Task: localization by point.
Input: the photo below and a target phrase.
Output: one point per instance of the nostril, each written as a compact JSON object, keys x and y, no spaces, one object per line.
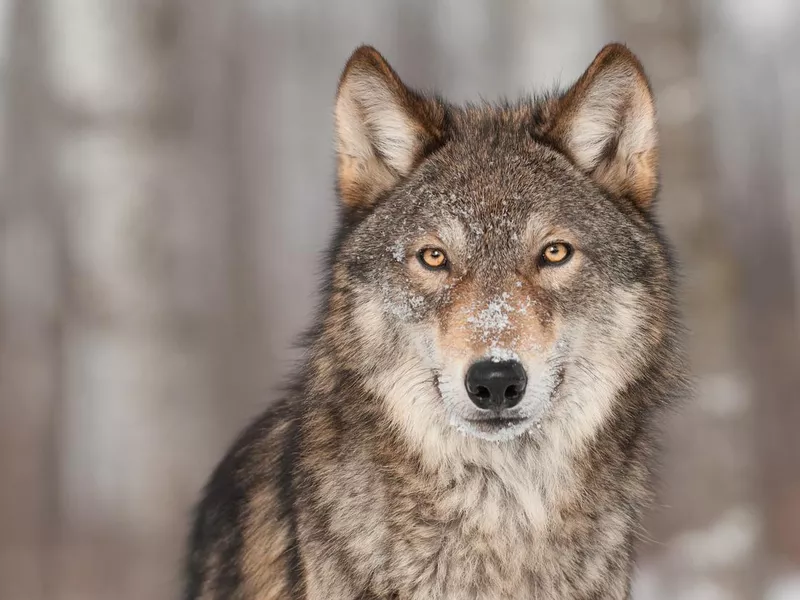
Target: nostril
{"x":483,"y":393}
{"x":513,"y":392}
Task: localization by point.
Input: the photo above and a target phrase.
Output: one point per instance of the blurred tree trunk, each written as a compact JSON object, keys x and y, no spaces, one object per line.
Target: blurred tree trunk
{"x":30,"y":319}
{"x":706,"y":525}
{"x":754,"y":88}
{"x":139,"y":92}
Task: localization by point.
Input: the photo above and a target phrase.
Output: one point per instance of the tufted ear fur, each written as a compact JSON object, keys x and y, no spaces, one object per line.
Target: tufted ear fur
{"x":383,"y":129}
{"x":606,"y":122}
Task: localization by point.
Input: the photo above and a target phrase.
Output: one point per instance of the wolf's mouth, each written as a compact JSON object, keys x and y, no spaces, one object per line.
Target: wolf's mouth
{"x":496,"y":424}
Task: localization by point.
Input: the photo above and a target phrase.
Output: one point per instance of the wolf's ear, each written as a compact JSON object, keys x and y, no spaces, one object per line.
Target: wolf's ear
{"x":383,"y":129}
{"x":607,"y":123}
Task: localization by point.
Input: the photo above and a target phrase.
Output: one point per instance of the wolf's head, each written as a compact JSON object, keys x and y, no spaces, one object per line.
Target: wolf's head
{"x":500,"y":270}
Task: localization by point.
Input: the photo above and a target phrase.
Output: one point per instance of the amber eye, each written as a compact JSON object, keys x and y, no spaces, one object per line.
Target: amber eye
{"x":556,"y":253}
{"x":432,"y":258}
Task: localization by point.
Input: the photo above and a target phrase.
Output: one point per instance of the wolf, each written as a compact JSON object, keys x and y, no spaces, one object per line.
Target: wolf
{"x":477,"y":408}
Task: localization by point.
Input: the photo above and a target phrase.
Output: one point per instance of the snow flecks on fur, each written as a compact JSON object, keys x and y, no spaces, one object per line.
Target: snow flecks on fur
{"x":493,"y":320}
{"x":398,"y":251}
{"x":498,"y":354}
{"x":402,"y":303}
{"x":404,"y":307}
{"x":476,"y":229}
{"x":494,"y":325}
{"x":415,"y":301}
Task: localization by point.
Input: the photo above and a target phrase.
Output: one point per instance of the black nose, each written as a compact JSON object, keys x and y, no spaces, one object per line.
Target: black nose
{"x":496,"y":385}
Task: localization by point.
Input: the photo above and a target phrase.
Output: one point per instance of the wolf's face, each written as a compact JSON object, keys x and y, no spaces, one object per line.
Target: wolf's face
{"x":502,"y":272}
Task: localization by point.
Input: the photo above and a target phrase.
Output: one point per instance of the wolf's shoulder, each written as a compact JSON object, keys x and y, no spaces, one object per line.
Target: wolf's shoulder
{"x":254,"y":461}
{"x":240,"y":523}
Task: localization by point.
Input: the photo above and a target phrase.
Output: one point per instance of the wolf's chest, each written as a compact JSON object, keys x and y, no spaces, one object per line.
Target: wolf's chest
{"x":489,"y":541}
{"x":476,"y":537}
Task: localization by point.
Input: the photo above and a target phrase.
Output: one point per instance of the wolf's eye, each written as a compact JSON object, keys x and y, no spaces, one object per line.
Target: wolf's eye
{"x":556,"y":253}
{"x":432,"y":258}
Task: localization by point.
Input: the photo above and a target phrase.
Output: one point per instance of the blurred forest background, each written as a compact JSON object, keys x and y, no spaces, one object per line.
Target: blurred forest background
{"x":165,"y":191}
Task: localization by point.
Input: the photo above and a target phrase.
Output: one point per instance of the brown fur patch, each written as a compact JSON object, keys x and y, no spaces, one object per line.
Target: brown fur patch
{"x":512,"y":317}
{"x":265,"y":535}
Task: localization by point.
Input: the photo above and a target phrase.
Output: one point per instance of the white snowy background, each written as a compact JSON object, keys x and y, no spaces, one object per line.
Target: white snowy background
{"x":165,"y":190}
